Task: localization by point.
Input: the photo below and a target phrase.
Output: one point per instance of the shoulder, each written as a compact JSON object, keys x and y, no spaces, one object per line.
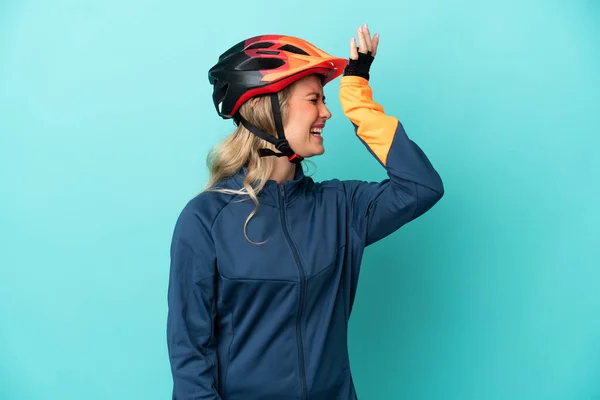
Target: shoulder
{"x":330,"y":187}
{"x":338,"y":191}
{"x":198,"y":214}
{"x":340,"y":186}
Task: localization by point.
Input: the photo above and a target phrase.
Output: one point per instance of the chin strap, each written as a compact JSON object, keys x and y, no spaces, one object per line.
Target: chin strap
{"x":280,"y":143}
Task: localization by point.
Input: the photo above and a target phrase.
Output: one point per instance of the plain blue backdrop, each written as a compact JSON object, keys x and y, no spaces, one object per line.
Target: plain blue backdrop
{"x":105,"y":121}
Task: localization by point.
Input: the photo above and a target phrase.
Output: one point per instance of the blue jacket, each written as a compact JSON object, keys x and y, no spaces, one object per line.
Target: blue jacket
{"x":270,"y":321}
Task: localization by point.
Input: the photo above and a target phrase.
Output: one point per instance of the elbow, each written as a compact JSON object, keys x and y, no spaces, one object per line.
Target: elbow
{"x":433,"y":192}
{"x":427,"y":198}
{"x":438,"y":193}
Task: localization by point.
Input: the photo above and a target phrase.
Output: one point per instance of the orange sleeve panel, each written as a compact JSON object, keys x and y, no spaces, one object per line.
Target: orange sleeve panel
{"x":375,"y":128}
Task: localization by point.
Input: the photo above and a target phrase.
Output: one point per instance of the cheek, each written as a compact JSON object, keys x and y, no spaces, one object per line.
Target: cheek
{"x":295,"y":134}
{"x":299,"y":123}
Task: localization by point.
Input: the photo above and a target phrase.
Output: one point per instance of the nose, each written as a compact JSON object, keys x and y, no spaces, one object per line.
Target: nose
{"x":324,"y":112}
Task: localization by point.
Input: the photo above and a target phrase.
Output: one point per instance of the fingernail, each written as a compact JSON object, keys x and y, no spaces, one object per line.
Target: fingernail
{"x":366,"y":27}
{"x":360,"y":29}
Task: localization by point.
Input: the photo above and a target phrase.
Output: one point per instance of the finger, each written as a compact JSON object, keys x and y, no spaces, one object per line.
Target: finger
{"x":374,"y":44}
{"x":362,"y":44}
{"x":353,"y":50}
{"x":367,"y":36}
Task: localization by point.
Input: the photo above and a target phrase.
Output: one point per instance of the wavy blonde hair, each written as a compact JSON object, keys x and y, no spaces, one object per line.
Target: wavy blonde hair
{"x":240,"y":148}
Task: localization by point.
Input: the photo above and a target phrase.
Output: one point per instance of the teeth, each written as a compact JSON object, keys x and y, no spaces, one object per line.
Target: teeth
{"x":316,"y":130}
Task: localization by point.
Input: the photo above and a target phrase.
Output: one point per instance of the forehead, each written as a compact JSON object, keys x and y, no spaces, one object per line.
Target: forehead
{"x":308,"y":84}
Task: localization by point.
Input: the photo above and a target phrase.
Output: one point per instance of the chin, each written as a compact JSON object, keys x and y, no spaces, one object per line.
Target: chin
{"x":312,"y":151}
{"x":316,"y":152}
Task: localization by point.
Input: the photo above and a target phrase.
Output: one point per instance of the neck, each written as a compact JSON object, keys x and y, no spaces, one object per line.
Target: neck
{"x":283,"y":171}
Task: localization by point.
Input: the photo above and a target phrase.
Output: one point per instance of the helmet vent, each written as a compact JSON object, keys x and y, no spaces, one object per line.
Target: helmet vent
{"x":260,"y":45}
{"x":272,"y":52}
{"x":293,"y":49}
{"x":221,"y":91}
{"x":255,"y":64}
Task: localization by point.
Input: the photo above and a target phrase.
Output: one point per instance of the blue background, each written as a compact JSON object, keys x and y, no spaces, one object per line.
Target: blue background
{"x":105,"y":122}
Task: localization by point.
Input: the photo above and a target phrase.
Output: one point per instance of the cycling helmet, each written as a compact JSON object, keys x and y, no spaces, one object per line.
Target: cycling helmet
{"x":264,"y":65}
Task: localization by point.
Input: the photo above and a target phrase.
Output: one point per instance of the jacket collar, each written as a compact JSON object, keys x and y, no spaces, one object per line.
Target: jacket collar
{"x":273,"y":193}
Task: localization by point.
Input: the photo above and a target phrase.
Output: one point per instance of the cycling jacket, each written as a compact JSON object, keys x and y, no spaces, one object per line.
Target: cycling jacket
{"x":270,"y":321}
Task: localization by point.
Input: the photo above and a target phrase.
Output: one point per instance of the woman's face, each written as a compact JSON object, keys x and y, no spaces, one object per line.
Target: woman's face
{"x":306,"y":116}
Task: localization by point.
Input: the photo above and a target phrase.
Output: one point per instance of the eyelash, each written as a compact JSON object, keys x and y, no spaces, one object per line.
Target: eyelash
{"x":315,"y":101}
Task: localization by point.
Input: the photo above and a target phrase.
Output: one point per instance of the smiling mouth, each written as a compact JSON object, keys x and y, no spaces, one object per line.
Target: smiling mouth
{"x":316,"y":131}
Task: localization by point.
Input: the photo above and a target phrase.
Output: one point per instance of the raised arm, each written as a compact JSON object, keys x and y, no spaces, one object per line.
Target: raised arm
{"x":413,"y":185}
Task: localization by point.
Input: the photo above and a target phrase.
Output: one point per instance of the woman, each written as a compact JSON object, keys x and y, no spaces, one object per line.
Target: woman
{"x":265,"y":262}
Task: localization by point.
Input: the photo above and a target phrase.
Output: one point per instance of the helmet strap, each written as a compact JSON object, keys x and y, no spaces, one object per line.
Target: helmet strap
{"x":277,"y":115}
{"x":280,"y":143}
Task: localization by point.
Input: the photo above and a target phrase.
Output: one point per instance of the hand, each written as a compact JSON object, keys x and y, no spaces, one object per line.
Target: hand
{"x":362,"y":57}
{"x":365,"y":43}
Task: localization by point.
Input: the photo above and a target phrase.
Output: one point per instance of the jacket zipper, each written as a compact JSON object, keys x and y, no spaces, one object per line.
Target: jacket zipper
{"x":302,"y":288}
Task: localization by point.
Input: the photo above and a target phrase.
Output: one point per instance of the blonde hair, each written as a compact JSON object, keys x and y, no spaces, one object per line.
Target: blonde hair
{"x":240,"y":148}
